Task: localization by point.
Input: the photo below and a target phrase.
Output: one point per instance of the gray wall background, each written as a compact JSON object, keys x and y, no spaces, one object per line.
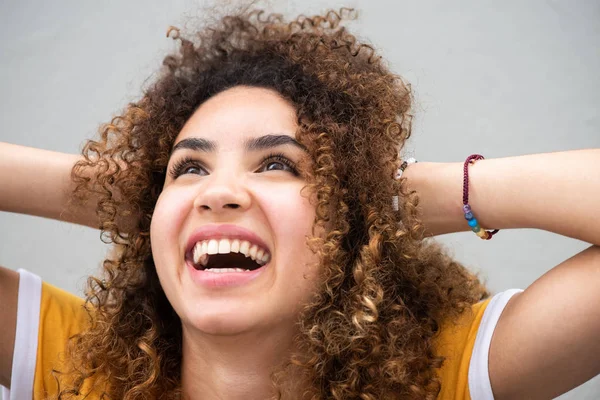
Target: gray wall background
{"x":500,"y":78}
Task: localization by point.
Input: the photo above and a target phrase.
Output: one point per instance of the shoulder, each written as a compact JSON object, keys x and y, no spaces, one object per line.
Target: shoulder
{"x":465,"y":343}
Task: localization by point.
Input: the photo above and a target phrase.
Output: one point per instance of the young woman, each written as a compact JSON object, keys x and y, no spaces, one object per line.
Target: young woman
{"x":263,"y":248}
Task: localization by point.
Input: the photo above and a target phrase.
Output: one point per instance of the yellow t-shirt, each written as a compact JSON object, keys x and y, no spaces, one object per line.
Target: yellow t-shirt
{"x":465,"y":343}
{"x":456,"y":342}
{"x":61,"y":316}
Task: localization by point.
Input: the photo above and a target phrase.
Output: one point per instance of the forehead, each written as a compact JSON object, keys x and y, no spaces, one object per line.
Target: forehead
{"x":240,"y":113}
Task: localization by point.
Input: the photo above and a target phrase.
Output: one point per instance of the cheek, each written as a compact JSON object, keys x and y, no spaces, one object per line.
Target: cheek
{"x":165,"y":226}
{"x":291,"y":216}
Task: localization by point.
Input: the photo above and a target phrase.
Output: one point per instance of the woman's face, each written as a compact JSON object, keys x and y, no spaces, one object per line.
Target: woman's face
{"x":227,"y":188}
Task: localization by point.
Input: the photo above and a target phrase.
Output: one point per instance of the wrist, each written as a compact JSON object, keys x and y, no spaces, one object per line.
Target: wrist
{"x":439,"y":189}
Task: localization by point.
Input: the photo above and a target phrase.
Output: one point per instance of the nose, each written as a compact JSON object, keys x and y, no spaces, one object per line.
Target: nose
{"x":222,"y":191}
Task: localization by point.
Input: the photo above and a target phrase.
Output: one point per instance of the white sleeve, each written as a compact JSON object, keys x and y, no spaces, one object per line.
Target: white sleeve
{"x":26,"y":337}
{"x":479,"y":378}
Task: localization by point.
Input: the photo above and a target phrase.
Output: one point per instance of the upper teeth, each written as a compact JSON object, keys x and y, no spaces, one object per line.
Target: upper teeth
{"x":225,"y":246}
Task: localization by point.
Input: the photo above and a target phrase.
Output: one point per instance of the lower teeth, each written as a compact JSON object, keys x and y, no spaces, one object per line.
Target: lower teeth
{"x":220,"y":270}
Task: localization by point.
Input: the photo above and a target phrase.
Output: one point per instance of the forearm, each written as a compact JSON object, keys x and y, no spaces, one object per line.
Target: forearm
{"x":38,"y":182}
{"x":558,"y":192}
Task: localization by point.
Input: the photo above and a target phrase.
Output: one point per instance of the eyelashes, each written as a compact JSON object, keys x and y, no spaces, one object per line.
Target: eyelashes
{"x":282,"y":159}
{"x":182,"y":165}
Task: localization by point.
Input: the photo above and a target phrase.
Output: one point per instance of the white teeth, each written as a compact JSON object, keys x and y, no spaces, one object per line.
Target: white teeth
{"x":221,"y":270}
{"x":245,"y":247}
{"x":262,"y":259}
{"x":200,"y":256}
{"x":224,"y":246}
{"x":202,"y":250}
{"x":213,"y":246}
{"x":197,"y":253}
{"x":253,"y":251}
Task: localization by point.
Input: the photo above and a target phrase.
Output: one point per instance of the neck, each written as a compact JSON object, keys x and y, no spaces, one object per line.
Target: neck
{"x":232,"y":367}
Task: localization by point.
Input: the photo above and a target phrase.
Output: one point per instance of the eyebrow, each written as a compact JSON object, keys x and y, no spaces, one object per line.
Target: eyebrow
{"x":251,"y":144}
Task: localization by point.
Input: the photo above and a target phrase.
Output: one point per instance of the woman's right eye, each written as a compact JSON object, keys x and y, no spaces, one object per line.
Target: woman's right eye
{"x":184,"y":167}
{"x":189,"y":170}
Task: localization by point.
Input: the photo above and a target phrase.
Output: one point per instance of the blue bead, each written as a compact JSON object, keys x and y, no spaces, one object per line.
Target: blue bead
{"x":476,"y":228}
{"x":473,"y":222}
{"x":469,"y":215}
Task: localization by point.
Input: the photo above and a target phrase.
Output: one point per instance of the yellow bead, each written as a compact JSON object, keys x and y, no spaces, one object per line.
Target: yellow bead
{"x":482,"y":234}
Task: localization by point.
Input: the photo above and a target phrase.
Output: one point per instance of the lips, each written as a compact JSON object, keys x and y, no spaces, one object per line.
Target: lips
{"x":223,"y":239}
{"x":224,"y":279}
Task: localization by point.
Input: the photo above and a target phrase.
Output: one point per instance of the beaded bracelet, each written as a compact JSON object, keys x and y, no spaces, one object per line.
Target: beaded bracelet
{"x":403,"y":166}
{"x":472,"y":221}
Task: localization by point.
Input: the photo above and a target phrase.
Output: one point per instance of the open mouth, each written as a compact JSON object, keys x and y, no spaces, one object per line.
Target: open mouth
{"x":227,"y":255}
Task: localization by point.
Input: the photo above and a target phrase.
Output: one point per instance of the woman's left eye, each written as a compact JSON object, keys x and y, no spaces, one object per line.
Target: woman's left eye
{"x":282,"y":161}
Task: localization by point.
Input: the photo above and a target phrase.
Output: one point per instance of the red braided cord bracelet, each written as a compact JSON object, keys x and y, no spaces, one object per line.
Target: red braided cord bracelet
{"x":473,"y":223}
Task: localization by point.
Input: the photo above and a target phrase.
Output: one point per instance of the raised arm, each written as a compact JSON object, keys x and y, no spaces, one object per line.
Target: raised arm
{"x":546,"y":340}
{"x":34,"y":182}
{"x":38,"y":182}
{"x":556,"y":192}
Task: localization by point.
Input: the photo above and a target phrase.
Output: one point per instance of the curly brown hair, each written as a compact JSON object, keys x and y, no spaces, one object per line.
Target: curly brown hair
{"x":386,"y":289}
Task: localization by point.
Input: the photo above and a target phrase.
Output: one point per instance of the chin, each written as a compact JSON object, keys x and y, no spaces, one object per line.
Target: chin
{"x":222,"y":320}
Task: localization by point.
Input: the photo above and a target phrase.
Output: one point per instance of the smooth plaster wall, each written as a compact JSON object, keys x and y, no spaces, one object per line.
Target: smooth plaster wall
{"x":500,"y":78}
